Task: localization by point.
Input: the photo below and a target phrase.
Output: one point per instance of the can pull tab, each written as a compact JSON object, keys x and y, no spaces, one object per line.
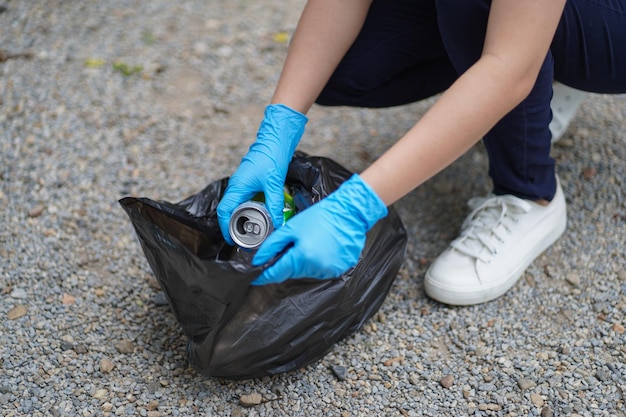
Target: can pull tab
{"x":251,"y":227}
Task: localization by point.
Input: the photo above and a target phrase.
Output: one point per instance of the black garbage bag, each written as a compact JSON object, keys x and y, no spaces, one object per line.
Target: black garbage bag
{"x":239,"y":331}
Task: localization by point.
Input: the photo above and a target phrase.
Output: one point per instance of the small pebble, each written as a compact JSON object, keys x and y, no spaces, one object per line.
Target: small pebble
{"x":237,"y":412}
{"x":340,"y":371}
{"x":18,"y":293}
{"x":125,"y":346}
{"x":447,"y":381}
{"x":68,"y":299}
{"x":250,"y":400}
{"x":278,"y":389}
{"x":80,"y":349}
{"x":573,"y":278}
{"x":537,"y":400}
{"x":489,"y":407}
{"x":382,"y":318}
{"x":100,"y":394}
{"x":65,"y":345}
{"x":564,"y":350}
{"x":159,"y":299}
{"x":106,"y":365}
{"x":603,"y":375}
{"x":17,"y":312}
{"x":526,"y":384}
{"x":36,"y":211}
{"x":589,"y":172}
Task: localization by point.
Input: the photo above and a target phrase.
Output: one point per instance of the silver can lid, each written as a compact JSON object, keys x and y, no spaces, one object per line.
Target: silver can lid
{"x":250,"y":224}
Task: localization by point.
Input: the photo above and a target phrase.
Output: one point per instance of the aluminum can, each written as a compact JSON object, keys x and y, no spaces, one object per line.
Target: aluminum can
{"x":250,"y":224}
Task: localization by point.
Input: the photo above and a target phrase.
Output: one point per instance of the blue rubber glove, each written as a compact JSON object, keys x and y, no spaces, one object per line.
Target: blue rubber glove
{"x":327,"y":237}
{"x":264,"y":167}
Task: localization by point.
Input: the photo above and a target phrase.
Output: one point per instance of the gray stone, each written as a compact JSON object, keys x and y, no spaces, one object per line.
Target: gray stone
{"x":340,"y":371}
{"x":526,"y":384}
{"x":19,"y":293}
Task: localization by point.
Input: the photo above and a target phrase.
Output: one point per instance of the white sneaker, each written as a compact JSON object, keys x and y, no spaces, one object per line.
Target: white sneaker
{"x":565,"y":103}
{"x":499,"y":239}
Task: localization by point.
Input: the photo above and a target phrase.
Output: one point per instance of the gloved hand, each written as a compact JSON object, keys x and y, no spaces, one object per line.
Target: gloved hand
{"x":264,"y":167}
{"x":327,"y":237}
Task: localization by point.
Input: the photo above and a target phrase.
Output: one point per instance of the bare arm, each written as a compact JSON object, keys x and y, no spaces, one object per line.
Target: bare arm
{"x":518,"y":37}
{"x":327,"y":28}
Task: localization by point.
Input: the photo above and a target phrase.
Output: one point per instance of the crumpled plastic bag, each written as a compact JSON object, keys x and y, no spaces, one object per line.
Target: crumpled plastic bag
{"x":239,"y":331}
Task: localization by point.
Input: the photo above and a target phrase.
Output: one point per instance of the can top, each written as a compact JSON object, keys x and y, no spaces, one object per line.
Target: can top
{"x":250,"y":224}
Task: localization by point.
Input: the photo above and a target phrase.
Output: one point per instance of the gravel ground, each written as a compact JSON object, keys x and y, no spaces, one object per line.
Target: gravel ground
{"x":103,"y":99}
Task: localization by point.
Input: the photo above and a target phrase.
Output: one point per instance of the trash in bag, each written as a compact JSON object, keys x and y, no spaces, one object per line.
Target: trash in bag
{"x":239,"y":331}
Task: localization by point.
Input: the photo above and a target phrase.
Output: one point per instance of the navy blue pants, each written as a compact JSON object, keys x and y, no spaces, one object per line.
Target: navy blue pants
{"x":409,"y":50}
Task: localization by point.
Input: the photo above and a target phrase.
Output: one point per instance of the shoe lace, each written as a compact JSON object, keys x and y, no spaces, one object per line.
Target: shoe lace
{"x":488,"y":225}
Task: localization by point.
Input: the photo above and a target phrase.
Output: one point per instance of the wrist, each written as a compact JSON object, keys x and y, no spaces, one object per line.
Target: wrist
{"x":363,"y":202}
{"x":287,"y":123}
